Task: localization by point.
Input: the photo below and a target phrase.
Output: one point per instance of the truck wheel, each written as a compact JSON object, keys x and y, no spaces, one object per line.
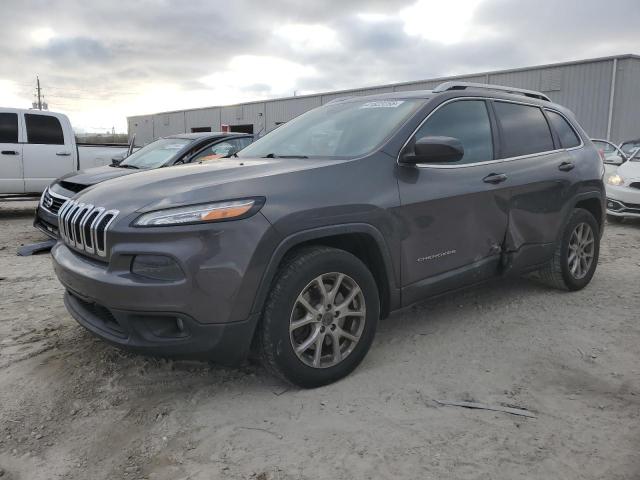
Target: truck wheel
{"x":576,"y":257}
{"x":320,"y":317}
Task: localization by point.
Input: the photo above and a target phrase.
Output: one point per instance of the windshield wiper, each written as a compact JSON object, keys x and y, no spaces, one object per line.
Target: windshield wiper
{"x":128,"y":166}
{"x":273,"y":155}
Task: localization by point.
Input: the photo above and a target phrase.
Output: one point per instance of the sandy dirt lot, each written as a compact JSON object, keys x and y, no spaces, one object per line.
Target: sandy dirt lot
{"x":72,"y":407}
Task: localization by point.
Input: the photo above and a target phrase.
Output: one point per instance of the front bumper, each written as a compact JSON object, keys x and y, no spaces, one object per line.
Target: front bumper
{"x":203,"y":314}
{"x":165,"y":334}
{"x":46,"y":222}
{"x":623,"y":201}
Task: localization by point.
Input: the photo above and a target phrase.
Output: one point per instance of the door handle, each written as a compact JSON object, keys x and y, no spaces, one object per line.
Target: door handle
{"x":63,"y":154}
{"x":566,"y":166}
{"x":9,"y":152}
{"x":495,"y":178}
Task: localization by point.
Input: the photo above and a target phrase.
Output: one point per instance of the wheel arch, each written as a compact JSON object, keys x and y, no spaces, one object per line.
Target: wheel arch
{"x":362,"y":240}
{"x":593,"y":202}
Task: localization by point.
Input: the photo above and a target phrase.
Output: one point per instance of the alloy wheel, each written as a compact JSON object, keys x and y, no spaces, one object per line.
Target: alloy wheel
{"x":327,"y":320}
{"x":581,"y":250}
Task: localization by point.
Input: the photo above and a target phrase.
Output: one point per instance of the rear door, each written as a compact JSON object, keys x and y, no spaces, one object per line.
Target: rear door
{"x":48,"y":153}
{"x":455,"y":214}
{"x":11,"y":176}
{"x":541,"y":175}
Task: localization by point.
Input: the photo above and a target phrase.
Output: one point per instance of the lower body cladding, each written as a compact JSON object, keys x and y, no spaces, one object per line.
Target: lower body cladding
{"x":623,"y":202}
{"x":197,"y":311}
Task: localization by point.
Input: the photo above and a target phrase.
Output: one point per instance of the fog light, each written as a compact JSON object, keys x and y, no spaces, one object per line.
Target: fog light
{"x":156,"y":267}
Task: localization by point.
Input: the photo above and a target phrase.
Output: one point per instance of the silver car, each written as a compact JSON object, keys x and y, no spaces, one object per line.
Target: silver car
{"x":622,"y":179}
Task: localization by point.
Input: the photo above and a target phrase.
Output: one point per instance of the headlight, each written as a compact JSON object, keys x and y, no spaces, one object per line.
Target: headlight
{"x":203,"y":213}
{"x":615,"y":180}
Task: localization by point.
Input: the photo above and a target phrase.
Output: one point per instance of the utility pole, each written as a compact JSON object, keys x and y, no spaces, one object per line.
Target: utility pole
{"x":38,"y":90}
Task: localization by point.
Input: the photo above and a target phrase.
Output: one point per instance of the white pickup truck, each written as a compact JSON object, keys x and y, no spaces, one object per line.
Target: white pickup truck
{"x":36,"y":147}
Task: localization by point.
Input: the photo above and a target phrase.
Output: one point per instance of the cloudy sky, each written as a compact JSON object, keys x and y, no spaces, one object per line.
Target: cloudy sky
{"x":101,"y":61}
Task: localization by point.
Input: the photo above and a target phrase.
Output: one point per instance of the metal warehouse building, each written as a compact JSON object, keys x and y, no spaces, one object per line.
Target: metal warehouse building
{"x":604,"y":93}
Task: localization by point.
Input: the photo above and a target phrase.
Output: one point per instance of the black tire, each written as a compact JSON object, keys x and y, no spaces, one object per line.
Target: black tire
{"x":297,"y":272}
{"x":557,"y":273}
{"x":614,"y":219}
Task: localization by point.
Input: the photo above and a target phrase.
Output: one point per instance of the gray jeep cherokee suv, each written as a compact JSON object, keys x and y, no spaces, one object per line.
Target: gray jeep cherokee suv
{"x":352,"y":210}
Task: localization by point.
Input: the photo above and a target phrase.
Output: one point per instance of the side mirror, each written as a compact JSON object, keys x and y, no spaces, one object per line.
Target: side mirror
{"x":434,"y":150}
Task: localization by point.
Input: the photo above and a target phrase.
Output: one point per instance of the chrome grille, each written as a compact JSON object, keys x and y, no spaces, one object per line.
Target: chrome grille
{"x":84,"y":226}
{"x":52,"y":202}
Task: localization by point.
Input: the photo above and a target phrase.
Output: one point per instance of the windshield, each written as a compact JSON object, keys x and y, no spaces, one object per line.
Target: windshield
{"x":155,"y":154}
{"x":631,"y":148}
{"x":347,"y":129}
{"x":608,"y":152}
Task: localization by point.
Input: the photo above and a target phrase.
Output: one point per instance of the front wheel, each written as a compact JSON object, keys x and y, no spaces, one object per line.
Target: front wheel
{"x":576,"y":257}
{"x":320,"y":317}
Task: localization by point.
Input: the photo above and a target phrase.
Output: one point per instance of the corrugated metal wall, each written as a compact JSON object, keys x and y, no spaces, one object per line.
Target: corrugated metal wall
{"x":203,"y":118}
{"x":584,"y":87}
{"x":626,"y":108}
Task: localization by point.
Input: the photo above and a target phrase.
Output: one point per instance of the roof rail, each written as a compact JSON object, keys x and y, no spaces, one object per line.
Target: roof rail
{"x":443,"y":87}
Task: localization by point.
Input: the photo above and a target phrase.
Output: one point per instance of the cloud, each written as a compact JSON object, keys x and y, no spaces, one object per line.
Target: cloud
{"x":107,"y":60}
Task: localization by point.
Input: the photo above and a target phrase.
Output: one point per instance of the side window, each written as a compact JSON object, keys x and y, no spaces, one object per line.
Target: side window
{"x":243,"y":142}
{"x":466,"y":120}
{"x":8,"y":128}
{"x":214,"y":152}
{"x":524,"y":129}
{"x":568,"y":137}
{"x":43,"y":129}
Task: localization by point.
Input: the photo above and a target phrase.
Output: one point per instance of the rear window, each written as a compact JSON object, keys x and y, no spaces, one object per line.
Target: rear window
{"x":43,"y":129}
{"x":8,"y":128}
{"x":568,"y":137}
{"x":524,"y":129}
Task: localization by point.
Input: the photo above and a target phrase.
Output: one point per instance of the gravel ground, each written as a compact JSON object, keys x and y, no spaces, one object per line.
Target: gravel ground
{"x":73,"y":407}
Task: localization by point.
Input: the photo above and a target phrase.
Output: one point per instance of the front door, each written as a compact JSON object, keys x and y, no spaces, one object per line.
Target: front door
{"x":11,"y":177}
{"x":455,"y":215}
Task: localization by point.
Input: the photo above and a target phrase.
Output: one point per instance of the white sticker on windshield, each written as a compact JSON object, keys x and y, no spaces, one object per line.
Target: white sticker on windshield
{"x":383,"y":104}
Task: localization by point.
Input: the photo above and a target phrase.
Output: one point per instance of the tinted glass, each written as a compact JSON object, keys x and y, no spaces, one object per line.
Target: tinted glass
{"x":524,"y":129}
{"x":568,"y":137}
{"x":8,"y":128}
{"x":345,"y":129}
{"x":44,"y":129}
{"x":243,"y":142}
{"x":156,"y":154}
{"x":466,"y":120}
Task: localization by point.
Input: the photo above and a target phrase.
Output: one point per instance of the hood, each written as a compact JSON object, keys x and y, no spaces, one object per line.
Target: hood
{"x":629,"y":170}
{"x":226,"y":179}
{"x":91,"y":176}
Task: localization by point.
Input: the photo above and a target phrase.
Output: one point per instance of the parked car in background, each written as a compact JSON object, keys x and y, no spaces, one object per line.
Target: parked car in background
{"x":164,"y":152}
{"x":350,"y":211}
{"x":610,"y":153}
{"x":623,"y":190}
{"x":36,"y":147}
{"x":622,"y":178}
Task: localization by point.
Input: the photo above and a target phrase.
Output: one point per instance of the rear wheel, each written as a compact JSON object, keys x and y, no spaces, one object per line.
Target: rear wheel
{"x":576,"y":257}
{"x":320,"y":317}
